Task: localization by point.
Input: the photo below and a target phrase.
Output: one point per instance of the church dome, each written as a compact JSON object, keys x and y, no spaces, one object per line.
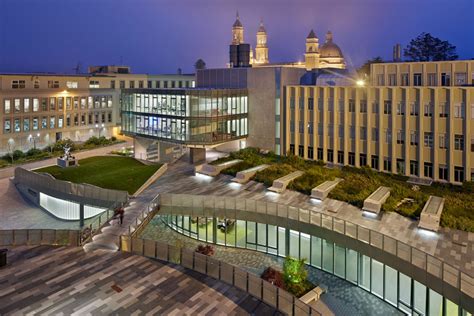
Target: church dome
{"x":330,"y":49}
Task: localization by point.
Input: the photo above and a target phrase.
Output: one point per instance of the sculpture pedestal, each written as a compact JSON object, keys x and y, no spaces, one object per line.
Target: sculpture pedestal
{"x":64,"y":163}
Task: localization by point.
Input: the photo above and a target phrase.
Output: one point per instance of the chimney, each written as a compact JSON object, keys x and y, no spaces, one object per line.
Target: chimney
{"x":397,"y":52}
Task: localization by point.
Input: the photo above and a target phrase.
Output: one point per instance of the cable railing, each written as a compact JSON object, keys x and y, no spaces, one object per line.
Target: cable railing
{"x":230,"y":274}
{"x":230,"y":206}
{"x":93,"y":227}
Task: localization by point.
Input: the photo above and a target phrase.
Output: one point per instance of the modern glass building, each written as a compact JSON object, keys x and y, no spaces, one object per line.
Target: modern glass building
{"x":394,"y":287}
{"x":186,"y":116}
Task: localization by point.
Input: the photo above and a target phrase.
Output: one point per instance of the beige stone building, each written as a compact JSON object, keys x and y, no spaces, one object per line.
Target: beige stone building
{"x":414,"y":119}
{"x":38,"y":109}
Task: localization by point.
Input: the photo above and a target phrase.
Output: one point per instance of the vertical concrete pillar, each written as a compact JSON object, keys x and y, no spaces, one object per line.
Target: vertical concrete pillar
{"x":81,"y":215}
{"x":197,"y":155}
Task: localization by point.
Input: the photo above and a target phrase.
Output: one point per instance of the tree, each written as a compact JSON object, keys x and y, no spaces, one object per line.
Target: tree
{"x":199,"y":64}
{"x":364,"y":70}
{"x":428,"y":48}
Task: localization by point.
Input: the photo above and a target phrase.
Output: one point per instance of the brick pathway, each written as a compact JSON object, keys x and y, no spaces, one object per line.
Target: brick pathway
{"x":67,"y":281}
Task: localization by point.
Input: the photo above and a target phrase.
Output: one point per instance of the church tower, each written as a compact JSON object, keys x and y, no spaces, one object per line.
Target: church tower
{"x":311,"y":55}
{"x":261,"y":50}
{"x":237,"y":32}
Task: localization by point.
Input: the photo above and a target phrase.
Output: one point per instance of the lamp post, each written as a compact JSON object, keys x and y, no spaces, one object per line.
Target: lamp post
{"x":11,"y":148}
{"x":99,"y":127}
{"x":33,"y":139}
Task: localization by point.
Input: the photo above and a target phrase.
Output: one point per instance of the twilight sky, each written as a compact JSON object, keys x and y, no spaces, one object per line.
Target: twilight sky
{"x":159,"y":36}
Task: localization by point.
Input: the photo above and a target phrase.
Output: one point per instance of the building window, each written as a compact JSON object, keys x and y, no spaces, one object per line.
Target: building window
{"x":428,"y":139}
{"x":400,"y":166}
{"x":68,"y":120}
{"x":443,"y":172}
{"x":375,"y":134}
{"x":301,"y":127}
{"x":375,"y":108}
{"x":428,"y":170}
{"x":26,"y":124}
{"x":53,"y":84}
{"x":387,"y":107}
{"x":445,"y":79}
{"x":458,"y":111}
{"x":35,"y":123}
{"x":94,"y":84}
{"x":36,"y":84}
{"x":380,"y":81}
{"x":414,"y":168}
{"x":44,"y":122}
{"x":122,"y":84}
{"x":173,"y":84}
{"x":131,"y":84}
{"x":35,"y":104}
{"x":52,"y":122}
{"x":443,"y":144}
{"x":310,"y":128}
{"x":362,"y":160}
{"x":460,"y":78}
{"x":388,"y":136}
{"x":340,"y":157}
{"x":363,"y":133}
{"x":352,"y":159}
{"x":363,"y":106}
{"x":432,"y":79}
{"x":310,"y":103}
{"x":112,"y":84}
{"x":109,"y":117}
{"x":149,"y":84}
{"x":414,"y":109}
{"x":405,"y":80}
{"x":413,"y":139}
{"x":7,"y":108}
{"x":320,"y":153}
{"x":374,"y":162}
{"x":459,"y":142}
{"x":17,"y":105}
{"x":292,"y":149}
{"x":52,"y":104}
{"x":16,"y":125}
{"x":301,"y":151}
{"x":400,"y":137}
{"x":401,"y":108}
{"x":330,"y":155}
{"x":7,"y":126}
{"x":60,"y":104}
{"x":44,"y":104}
{"x":165,"y":84}
{"x":459,"y":174}
{"x":387,"y":164}
{"x":18,"y":84}
{"x":443,"y":110}
{"x":417,"y":79}
{"x":392,"y":79}
{"x":26,"y":105}
{"x":428,"y":110}
{"x":351,"y":105}
{"x":83,"y":103}
{"x":301,"y":102}
{"x":157,"y":84}
{"x":140,"y":84}
{"x":72,"y":84}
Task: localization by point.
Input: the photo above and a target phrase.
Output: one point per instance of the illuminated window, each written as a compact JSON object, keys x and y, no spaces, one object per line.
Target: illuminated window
{"x":72,"y":84}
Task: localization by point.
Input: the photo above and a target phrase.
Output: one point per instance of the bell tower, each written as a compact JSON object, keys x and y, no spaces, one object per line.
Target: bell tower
{"x":312,"y":54}
{"x":261,"y":50}
{"x":237,"y":31}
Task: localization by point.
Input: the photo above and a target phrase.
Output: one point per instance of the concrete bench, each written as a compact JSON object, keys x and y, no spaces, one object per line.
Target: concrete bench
{"x":279,"y":185}
{"x":214,"y":170}
{"x":245,"y":175}
{"x":431,"y":213}
{"x":374,"y":202}
{"x":321,"y":191}
{"x":314,"y":294}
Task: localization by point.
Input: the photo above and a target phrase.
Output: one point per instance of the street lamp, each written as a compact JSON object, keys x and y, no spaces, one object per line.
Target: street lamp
{"x":11,"y":147}
{"x":33,"y":138}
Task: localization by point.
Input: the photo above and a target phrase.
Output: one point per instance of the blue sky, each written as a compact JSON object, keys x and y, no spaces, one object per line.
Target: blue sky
{"x":160,"y":36}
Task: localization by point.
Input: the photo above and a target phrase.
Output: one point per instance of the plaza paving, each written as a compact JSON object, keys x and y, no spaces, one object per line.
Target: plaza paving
{"x":67,"y":281}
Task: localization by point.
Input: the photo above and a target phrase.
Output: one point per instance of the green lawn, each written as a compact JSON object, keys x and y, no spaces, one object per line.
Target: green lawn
{"x":118,"y":173}
{"x":359,"y":183}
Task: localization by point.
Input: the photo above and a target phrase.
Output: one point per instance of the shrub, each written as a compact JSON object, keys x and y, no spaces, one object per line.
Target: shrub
{"x":17,"y":154}
{"x":60,"y":144}
{"x":206,"y":250}
{"x":34,"y":152}
{"x":294,"y":270}
{"x":273,"y":276}
{"x":113,"y":139}
{"x":273,"y":172}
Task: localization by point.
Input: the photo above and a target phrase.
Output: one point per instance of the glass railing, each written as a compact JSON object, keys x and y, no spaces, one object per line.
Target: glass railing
{"x":430,"y":264}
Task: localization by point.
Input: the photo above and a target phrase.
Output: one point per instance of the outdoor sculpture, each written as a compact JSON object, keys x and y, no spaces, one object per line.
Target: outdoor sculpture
{"x":67,"y":160}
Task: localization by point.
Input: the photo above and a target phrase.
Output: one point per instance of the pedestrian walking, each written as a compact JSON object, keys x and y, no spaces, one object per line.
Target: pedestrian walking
{"x":122,"y":211}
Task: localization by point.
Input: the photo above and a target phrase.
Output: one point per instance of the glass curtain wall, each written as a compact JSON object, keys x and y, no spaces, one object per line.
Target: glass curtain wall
{"x":379,"y":279}
{"x":186,"y":116}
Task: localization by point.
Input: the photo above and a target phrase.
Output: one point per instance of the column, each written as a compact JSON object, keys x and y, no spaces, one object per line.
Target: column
{"x":325,"y":124}
{"x":357,"y":139}
{"x":467,"y":132}
{"x":368,"y":147}
{"x":347,"y":137}
{"x":305,"y":122}
{"x":81,"y":215}
{"x":450,"y":160}
{"x":335,"y":124}
{"x":381,"y":128}
{"x":407,"y":128}
{"x":435,"y":148}
{"x":421,"y":129}
{"x":393,"y":127}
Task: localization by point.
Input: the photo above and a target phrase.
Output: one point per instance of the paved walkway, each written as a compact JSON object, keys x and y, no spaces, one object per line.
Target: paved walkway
{"x":66,"y":281}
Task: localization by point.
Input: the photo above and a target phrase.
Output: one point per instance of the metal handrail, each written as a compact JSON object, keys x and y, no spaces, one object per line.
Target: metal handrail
{"x":419,"y":258}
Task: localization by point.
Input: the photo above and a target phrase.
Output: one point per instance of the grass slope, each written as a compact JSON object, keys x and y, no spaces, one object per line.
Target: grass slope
{"x":118,"y":173}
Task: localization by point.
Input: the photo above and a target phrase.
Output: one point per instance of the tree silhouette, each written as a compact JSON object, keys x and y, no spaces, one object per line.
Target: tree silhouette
{"x":428,"y":48}
{"x":364,"y":70}
{"x":199,"y":64}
